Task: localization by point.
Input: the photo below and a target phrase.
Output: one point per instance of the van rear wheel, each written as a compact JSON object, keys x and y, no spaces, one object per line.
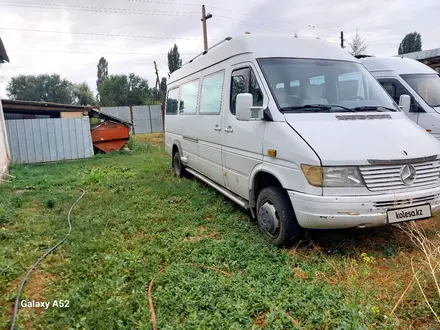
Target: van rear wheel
{"x":276,"y":217}
{"x":178,"y":167}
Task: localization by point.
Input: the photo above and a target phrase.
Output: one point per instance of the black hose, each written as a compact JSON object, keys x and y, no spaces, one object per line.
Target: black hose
{"x":20,"y":290}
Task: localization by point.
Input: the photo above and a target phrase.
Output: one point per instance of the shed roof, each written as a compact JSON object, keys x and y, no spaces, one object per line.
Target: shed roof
{"x":34,"y":106}
{"x":423,"y":54}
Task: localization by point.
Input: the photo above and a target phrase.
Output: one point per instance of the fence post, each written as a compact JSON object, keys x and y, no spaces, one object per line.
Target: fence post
{"x":151,"y":122}
{"x":162,"y":108}
{"x":132,"y":119}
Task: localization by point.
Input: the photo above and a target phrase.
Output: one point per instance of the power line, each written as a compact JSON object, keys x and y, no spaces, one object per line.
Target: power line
{"x":90,"y":52}
{"x":174,"y":3}
{"x":131,"y":36}
{"x":112,"y":10}
{"x":101,"y":34}
{"x":210,"y":6}
{"x":126,"y":11}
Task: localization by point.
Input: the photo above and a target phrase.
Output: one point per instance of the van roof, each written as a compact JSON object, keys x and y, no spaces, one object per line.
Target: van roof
{"x":399,"y":65}
{"x":264,"y":46}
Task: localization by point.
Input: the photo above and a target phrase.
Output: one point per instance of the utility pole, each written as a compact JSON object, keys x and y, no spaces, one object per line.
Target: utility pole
{"x":158,"y":81}
{"x":161,"y":96}
{"x":342,"y":39}
{"x":205,"y":30}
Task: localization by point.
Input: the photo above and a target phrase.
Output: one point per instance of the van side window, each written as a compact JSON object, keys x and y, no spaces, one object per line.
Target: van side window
{"x":188,"y":97}
{"x":172,"y":101}
{"x":245,"y":81}
{"x":396,"y":89}
{"x":212,"y":88}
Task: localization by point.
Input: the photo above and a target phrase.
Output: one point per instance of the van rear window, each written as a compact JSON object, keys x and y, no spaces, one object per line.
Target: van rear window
{"x":172,"y":102}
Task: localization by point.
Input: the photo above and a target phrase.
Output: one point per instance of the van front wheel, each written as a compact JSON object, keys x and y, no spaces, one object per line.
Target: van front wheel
{"x":276,"y":218}
{"x":178,"y":167}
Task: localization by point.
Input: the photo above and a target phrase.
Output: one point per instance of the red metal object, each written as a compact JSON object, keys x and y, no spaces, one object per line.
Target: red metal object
{"x":110,"y":136}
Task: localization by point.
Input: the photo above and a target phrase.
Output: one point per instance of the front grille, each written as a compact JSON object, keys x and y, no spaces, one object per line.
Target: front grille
{"x":402,"y":202}
{"x":387,"y":178}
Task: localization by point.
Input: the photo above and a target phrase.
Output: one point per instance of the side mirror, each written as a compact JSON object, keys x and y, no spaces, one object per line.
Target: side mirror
{"x":405,"y":103}
{"x":244,"y":110}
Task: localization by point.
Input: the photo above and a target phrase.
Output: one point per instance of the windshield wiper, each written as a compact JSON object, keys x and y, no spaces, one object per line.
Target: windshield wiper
{"x":316,"y":108}
{"x":373,"y":108}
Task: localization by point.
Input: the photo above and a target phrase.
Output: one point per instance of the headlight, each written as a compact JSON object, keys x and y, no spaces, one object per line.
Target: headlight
{"x":333,"y":176}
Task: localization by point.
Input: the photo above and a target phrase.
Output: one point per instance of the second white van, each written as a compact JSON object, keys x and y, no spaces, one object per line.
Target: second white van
{"x":299,"y":133}
{"x":404,"y":76}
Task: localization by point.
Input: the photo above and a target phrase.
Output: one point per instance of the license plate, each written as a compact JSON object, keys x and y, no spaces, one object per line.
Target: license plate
{"x":409,"y":213}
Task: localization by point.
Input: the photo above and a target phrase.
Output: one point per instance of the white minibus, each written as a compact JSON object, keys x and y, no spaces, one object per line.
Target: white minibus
{"x":404,"y":76}
{"x":299,"y":132}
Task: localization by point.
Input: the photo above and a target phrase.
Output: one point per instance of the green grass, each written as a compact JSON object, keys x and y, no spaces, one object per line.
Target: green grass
{"x":137,"y":219}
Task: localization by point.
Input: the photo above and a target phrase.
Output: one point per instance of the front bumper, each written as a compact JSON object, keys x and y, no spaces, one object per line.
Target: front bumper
{"x":334,"y":212}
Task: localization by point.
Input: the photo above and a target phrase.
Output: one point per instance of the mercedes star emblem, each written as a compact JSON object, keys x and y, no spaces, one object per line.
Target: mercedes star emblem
{"x":408,"y":175}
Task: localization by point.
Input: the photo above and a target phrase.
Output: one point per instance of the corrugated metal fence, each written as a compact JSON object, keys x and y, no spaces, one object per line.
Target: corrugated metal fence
{"x":146,"y":118}
{"x":49,"y":140}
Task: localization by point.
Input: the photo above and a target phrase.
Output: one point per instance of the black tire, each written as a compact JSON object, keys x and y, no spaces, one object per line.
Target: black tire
{"x":178,"y":167}
{"x":288,"y":229}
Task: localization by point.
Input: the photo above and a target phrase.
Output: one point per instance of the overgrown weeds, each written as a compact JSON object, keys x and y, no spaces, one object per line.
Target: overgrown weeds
{"x":425,"y":269}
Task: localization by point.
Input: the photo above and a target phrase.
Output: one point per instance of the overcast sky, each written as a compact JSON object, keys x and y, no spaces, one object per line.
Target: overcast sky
{"x":69,"y":37}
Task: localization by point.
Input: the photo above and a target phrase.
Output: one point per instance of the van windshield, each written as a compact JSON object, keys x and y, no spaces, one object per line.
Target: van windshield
{"x":300,"y":85}
{"x":426,"y":85}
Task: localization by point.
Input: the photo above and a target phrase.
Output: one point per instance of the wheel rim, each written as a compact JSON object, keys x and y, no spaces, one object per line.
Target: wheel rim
{"x":177,"y":164}
{"x":268,"y":219}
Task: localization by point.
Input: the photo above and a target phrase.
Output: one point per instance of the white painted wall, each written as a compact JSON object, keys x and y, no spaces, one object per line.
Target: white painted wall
{"x":4,"y":148}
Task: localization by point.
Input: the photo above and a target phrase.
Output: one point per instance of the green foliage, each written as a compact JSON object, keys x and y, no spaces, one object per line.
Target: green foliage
{"x":83,"y":94}
{"x":102,"y":71}
{"x":174,"y":60}
{"x":94,"y":121}
{"x":93,"y":176}
{"x":50,"y":203}
{"x":137,"y":146}
{"x":412,"y":42}
{"x":154,"y":96}
{"x":43,"y":87}
{"x":122,"y":90}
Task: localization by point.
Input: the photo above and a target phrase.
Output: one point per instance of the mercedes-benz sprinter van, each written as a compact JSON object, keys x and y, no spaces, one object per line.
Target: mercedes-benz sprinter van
{"x":399,"y":76}
{"x":300,"y":133}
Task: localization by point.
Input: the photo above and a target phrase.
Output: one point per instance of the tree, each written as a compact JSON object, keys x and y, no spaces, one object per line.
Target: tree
{"x":121,"y":90}
{"x":155,"y":96}
{"x":358,"y":45}
{"x":44,"y":87}
{"x":83,"y":95}
{"x":174,"y":61}
{"x":412,"y":42}
{"x":102,"y":71}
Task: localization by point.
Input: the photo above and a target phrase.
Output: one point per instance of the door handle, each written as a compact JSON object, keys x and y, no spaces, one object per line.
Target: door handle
{"x":217,"y":128}
{"x":229,"y":129}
